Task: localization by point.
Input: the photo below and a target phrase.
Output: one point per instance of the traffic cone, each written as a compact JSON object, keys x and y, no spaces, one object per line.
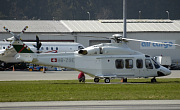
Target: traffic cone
{"x":13,"y":68}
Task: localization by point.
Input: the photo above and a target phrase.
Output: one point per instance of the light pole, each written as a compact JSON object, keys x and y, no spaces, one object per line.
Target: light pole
{"x":167,"y":13}
{"x":139,"y":14}
{"x":89,"y":14}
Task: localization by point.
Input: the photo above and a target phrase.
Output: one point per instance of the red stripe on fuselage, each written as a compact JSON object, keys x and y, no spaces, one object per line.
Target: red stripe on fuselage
{"x":21,"y":50}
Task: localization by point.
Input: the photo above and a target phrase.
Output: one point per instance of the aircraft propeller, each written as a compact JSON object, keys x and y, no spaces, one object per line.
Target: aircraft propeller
{"x":38,"y":44}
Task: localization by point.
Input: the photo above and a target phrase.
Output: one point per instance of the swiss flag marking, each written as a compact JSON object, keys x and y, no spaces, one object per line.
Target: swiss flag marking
{"x":53,"y":59}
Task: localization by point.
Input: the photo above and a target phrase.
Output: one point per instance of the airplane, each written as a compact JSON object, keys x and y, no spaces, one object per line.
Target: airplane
{"x":8,"y":53}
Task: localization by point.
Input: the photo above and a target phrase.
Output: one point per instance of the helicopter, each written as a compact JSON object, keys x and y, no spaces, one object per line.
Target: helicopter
{"x":103,"y":61}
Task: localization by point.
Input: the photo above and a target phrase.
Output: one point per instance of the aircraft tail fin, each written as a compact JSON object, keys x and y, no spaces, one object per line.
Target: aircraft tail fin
{"x":25,"y":53}
{"x":20,"y":47}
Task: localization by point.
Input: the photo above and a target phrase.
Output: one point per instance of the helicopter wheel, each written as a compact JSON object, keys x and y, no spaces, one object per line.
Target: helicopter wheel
{"x":107,"y":80}
{"x":96,"y":80}
{"x":153,"y":80}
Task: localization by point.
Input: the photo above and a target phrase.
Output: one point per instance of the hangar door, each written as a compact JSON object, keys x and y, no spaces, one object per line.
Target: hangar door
{"x":94,"y":42}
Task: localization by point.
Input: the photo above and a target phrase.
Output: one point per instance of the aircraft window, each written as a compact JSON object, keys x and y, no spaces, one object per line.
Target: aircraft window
{"x":129,"y":63}
{"x":51,"y":48}
{"x":156,"y":65}
{"x":42,"y":48}
{"x":56,"y":48}
{"x":139,"y":63}
{"x":4,"y":48}
{"x":46,"y":48}
{"x":119,"y":63}
{"x":148,"y":64}
{"x":80,"y":47}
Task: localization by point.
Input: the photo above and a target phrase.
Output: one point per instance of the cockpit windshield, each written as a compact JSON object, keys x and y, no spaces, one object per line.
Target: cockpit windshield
{"x":156,"y":65}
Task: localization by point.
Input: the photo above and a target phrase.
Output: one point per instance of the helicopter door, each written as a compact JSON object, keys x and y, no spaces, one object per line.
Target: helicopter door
{"x":150,"y":71}
{"x":139,"y":72}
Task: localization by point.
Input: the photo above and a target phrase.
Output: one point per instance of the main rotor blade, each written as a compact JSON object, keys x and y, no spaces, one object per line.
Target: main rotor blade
{"x":23,"y":31}
{"x":9,"y":31}
{"x":128,"y":39}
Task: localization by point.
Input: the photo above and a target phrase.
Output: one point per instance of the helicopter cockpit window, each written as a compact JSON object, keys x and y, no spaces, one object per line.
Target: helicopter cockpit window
{"x":148,"y":64}
{"x":156,"y":65}
{"x":139,"y":63}
{"x":119,"y":63}
{"x":129,"y":63}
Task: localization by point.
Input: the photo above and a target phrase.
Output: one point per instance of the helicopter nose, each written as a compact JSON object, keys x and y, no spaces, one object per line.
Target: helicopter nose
{"x":163,"y":71}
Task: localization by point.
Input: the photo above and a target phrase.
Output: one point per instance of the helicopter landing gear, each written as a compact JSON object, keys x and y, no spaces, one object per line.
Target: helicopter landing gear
{"x":96,"y":80}
{"x":107,"y":80}
{"x":153,"y":80}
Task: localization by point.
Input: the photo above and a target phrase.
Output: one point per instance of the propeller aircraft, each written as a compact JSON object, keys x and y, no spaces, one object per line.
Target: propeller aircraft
{"x":8,"y":53}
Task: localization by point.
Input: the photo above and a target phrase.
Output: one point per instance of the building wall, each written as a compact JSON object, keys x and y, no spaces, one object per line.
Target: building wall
{"x":156,"y":49}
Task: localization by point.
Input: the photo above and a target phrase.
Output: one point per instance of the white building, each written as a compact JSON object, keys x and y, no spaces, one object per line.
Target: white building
{"x":89,"y":32}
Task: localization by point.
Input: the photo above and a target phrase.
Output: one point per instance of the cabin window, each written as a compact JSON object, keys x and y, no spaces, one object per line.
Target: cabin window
{"x":51,"y":48}
{"x":119,"y":63}
{"x":156,"y":65}
{"x":42,"y":48}
{"x":129,"y":63}
{"x":4,"y":47}
{"x":139,"y":63}
{"x":56,"y":48}
{"x":148,"y":64}
{"x":46,"y":48}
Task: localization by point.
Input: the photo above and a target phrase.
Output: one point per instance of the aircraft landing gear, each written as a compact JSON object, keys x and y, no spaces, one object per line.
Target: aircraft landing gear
{"x":96,"y":80}
{"x":107,"y":80}
{"x":153,"y":80}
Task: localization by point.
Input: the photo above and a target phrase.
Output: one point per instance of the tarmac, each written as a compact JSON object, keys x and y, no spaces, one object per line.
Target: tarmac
{"x":53,"y":75}
{"x":94,"y":105}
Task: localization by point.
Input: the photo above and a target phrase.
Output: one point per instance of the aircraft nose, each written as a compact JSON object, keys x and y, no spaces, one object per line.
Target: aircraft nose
{"x":163,"y":71}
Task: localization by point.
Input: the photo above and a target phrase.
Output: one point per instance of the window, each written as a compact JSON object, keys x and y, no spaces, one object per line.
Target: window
{"x":119,"y":63}
{"x":148,"y":64}
{"x":51,"y":48}
{"x":80,"y":47}
{"x":42,"y":48}
{"x":4,"y":47}
{"x":46,"y":48}
{"x":129,"y":63}
{"x":56,"y":48}
{"x":139,"y":63}
{"x":156,"y":65}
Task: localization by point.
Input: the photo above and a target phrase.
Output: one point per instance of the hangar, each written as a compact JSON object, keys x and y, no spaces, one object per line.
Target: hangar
{"x":90,"y":32}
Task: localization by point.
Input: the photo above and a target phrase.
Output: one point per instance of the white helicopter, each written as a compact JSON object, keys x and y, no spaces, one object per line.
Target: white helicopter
{"x":103,"y":61}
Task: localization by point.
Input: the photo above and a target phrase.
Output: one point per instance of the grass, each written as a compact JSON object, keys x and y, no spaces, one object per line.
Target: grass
{"x":70,"y":90}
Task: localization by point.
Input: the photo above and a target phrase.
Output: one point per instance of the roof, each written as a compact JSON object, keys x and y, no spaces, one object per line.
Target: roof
{"x":68,"y":26}
{"x":33,"y":25}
